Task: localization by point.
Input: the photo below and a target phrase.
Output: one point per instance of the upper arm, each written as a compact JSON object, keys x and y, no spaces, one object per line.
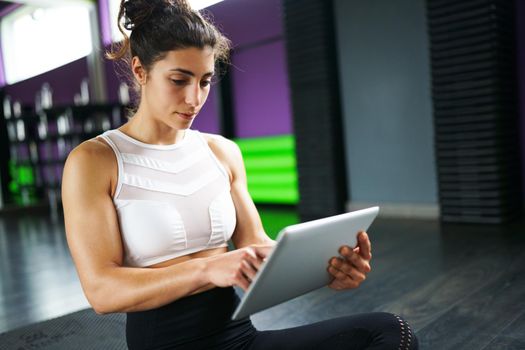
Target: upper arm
{"x":249,"y":228}
{"x":90,"y":217}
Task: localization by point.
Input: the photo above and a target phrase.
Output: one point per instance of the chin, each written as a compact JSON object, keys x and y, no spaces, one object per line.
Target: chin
{"x":181,"y":126}
{"x":184,"y":120}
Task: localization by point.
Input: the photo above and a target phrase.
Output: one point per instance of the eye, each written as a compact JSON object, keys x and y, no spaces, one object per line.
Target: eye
{"x":178,"y":82}
{"x":205,"y":83}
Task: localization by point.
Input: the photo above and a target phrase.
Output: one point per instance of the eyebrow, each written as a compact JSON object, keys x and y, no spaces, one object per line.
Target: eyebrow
{"x":187,"y":72}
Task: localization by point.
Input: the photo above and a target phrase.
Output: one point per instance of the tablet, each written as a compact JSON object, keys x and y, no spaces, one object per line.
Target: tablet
{"x":298,"y":263}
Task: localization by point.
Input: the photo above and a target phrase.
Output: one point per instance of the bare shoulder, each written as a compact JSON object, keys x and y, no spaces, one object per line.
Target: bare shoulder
{"x":220,"y":143}
{"x":93,"y":156}
{"x":228,"y":152}
{"x":93,"y":152}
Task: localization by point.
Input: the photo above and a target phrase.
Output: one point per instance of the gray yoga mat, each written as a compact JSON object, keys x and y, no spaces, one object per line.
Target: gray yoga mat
{"x":82,"y":330}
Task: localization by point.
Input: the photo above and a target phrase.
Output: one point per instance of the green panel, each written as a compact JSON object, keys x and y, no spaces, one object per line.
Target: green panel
{"x":270,"y":161}
{"x":25,"y":175}
{"x":271,"y":168}
{"x":273,"y":178}
{"x":275,"y":196}
{"x":275,"y":219}
{"x":22,"y":186}
{"x":266,"y":144}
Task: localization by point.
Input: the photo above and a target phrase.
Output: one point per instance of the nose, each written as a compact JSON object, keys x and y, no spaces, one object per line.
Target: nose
{"x":193,"y":96}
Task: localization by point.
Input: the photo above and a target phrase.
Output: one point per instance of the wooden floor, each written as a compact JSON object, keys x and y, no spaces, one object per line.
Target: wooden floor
{"x":459,"y":286}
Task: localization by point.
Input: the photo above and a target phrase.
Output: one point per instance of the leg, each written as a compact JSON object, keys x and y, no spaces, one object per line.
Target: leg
{"x":364,"y":331}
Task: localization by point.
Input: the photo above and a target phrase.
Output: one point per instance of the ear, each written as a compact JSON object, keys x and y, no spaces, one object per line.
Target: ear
{"x":138,"y":70}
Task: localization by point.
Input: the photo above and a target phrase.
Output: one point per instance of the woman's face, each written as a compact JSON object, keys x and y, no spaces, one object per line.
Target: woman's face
{"x":178,"y":85}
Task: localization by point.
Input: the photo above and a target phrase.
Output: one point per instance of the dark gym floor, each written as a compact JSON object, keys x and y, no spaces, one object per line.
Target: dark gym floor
{"x":460,"y":286}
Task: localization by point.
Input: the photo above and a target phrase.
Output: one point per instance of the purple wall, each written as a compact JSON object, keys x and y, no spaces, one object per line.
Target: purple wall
{"x":260,"y":84}
{"x":520,"y":10}
{"x":65,"y":82}
{"x":112,"y":81}
{"x":104,"y":21}
{"x":2,"y":70}
{"x":248,"y":21}
{"x":208,"y":118}
{"x":8,"y":9}
{"x":259,"y":74}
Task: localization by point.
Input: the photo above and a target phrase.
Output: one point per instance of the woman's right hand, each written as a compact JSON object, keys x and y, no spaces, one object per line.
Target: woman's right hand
{"x":237,"y":267}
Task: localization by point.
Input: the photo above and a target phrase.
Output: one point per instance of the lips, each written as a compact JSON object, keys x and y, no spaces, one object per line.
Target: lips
{"x":187,"y":116}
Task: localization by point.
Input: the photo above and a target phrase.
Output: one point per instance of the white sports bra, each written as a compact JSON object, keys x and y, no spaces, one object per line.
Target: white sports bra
{"x":171,"y":200}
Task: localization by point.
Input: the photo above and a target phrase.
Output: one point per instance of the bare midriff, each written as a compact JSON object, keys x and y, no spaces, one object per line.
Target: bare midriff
{"x":201,"y":254}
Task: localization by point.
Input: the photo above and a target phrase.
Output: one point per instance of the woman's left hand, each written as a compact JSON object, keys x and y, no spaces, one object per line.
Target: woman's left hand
{"x":350,"y":270}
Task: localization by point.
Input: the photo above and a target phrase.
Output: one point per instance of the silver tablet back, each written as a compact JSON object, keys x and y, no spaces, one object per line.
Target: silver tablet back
{"x":298,"y":263}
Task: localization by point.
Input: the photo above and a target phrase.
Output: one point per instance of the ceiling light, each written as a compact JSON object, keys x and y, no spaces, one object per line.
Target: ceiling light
{"x":200,"y":4}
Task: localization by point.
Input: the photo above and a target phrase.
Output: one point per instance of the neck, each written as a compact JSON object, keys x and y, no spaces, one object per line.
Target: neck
{"x":145,"y":128}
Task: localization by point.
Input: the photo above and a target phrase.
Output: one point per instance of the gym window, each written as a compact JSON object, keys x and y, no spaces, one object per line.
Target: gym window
{"x":38,"y":39}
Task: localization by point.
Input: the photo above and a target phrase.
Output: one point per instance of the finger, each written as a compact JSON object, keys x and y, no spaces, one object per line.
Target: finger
{"x":343,"y":284}
{"x":248,"y":270}
{"x":335,"y":284}
{"x":349,"y":270}
{"x":356,"y":275}
{"x":337,"y":274}
{"x":340,"y":280}
{"x":250,"y":252}
{"x":341,"y":265}
{"x":355,"y":259}
{"x":349,"y":284}
{"x":343,"y":279}
{"x":251,"y":256}
{"x":255,"y":262}
{"x":263,"y":251}
{"x":241,"y":280}
{"x":358,"y":251}
{"x":365,"y":245}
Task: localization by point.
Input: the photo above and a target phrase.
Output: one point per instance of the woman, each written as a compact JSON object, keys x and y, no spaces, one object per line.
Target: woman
{"x":150,"y":206}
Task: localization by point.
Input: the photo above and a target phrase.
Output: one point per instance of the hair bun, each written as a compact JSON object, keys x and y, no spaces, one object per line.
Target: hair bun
{"x":137,"y":12}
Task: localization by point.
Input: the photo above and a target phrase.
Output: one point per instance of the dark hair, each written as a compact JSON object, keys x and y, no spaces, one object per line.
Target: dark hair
{"x":159,"y":26}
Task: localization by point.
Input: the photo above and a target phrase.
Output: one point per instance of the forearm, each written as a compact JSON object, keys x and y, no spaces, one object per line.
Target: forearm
{"x":241,"y":241}
{"x":128,"y":289}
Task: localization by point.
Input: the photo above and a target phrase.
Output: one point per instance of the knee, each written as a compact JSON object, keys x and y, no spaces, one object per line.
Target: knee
{"x":407,"y":335}
{"x":396,"y":332}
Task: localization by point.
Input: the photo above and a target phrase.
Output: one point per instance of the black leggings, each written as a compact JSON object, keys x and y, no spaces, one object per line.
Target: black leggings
{"x":202,"y":321}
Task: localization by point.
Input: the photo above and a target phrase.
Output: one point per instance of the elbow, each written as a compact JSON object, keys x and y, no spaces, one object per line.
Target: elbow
{"x":109,"y":302}
{"x":99,"y":311}
{"x":100,"y":290}
{"x":108,"y":306}
{"x":100,"y":308}
{"x":98,"y":304}
{"x":104,"y":307}
{"x":100,"y":299}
